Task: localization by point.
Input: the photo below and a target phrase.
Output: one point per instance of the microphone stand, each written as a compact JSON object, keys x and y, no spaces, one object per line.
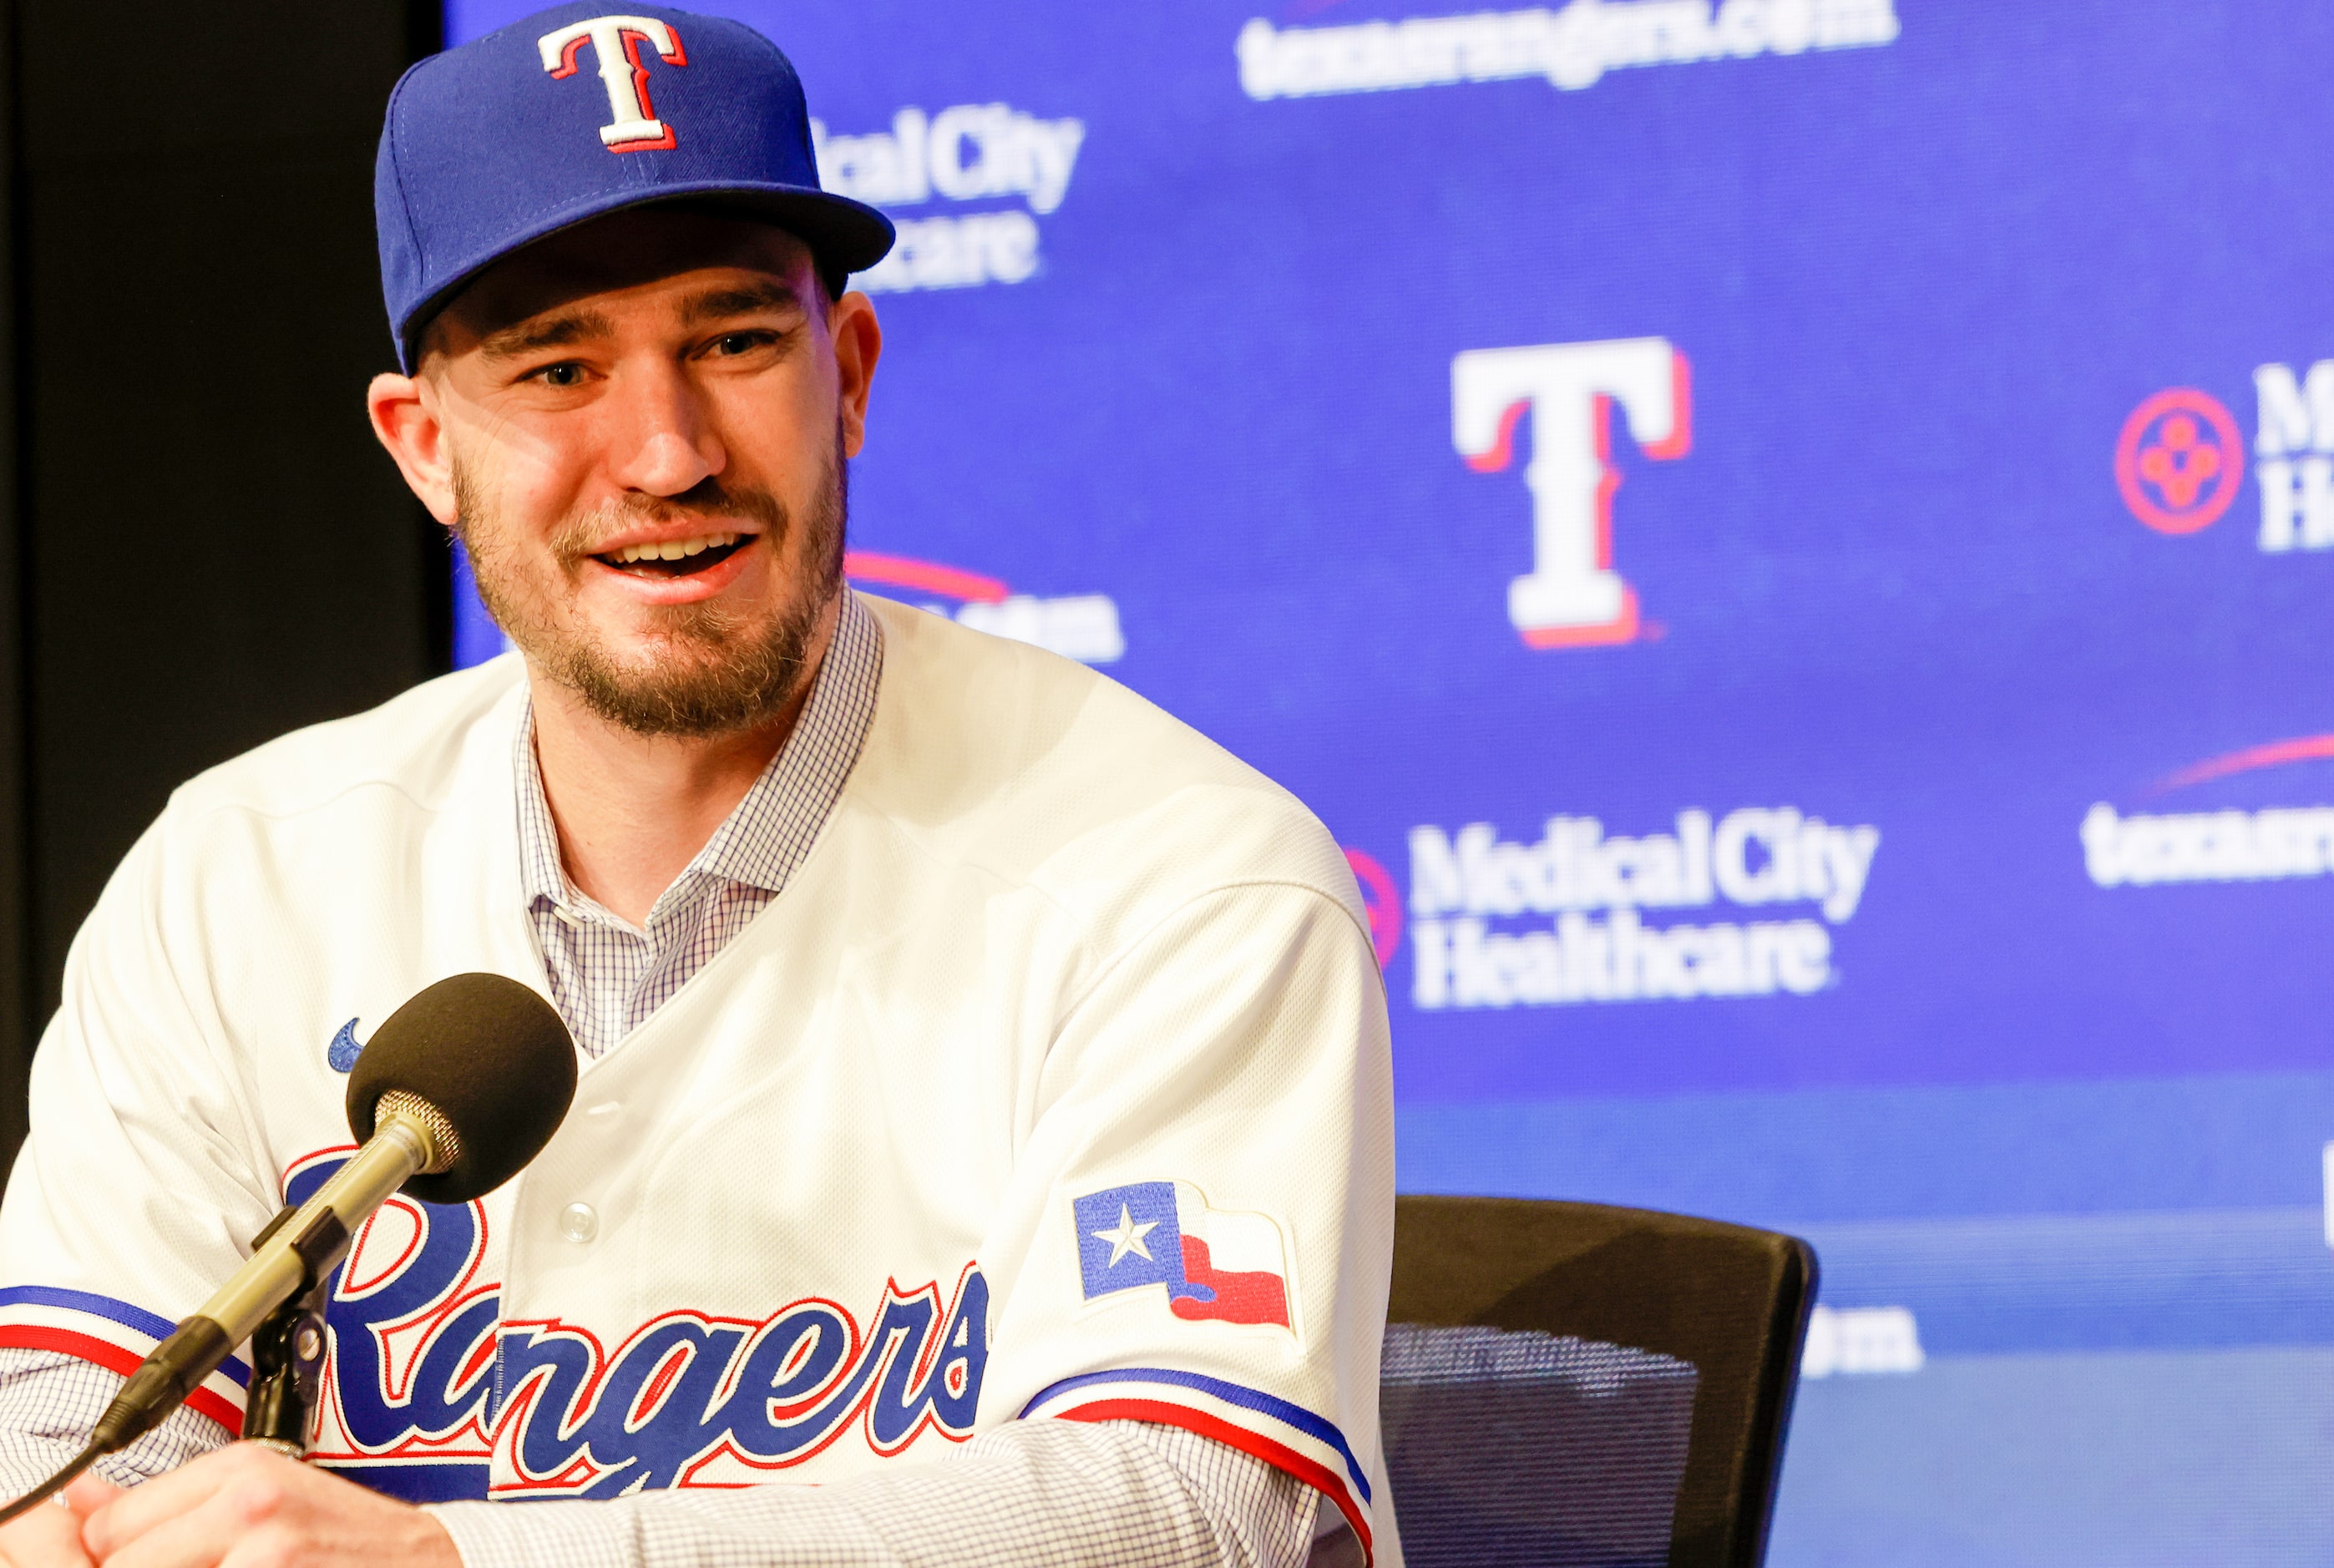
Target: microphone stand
{"x":287,"y":1362}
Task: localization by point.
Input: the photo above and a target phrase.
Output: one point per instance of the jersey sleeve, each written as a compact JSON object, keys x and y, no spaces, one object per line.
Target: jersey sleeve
{"x":138,"y":1185}
{"x":1208,"y":1196}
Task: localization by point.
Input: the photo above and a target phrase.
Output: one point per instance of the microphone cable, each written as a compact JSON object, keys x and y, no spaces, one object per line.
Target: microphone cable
{"x":152,"y":1393}
{"x":56,"y":1483}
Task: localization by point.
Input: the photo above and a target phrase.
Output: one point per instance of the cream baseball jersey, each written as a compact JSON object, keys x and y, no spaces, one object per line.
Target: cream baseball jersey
{"x":1054,"y":1086}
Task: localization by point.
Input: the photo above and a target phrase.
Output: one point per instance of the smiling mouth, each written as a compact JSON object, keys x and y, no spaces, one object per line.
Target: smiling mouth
{"x":675,"y":557}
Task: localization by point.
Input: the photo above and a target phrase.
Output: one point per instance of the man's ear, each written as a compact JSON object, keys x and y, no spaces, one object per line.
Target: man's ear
{"x":858,"y":341}
{"x":405,"y":419}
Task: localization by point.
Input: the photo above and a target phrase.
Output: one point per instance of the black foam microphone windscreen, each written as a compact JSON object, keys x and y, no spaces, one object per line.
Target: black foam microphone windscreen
{"x":495,"y":1059}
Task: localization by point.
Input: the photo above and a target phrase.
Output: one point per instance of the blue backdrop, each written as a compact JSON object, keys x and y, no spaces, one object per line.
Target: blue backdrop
{"x":1794,"y":542}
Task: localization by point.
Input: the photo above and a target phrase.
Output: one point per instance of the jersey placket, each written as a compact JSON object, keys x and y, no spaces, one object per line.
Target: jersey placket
{"x":617,"y":973}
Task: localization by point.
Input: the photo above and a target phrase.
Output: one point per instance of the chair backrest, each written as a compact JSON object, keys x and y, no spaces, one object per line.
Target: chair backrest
{"x":1572,"y":1385}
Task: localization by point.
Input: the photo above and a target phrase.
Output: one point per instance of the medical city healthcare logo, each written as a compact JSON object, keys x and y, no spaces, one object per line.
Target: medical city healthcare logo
{"x":2180,"y":459}
{"x":1381,"y":903}
{"x":969,"y":152}
{"x":1565,"y":920}
{"x":1572,"y":597}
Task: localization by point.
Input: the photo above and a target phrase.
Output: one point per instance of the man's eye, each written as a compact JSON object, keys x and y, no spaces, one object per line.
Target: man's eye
{"x":561,"y":375}
{"x":739,"y":342}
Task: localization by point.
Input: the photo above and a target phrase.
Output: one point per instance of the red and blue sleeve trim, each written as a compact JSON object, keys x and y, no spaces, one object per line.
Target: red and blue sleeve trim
{"x":114,"y":1334}
{"x":1287,"y":1437}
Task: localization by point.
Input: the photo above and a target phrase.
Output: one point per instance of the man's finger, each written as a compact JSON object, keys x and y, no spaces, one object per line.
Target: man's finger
{"x":46,"y":1537}
{"x":130,"y":1514}
{"x":196,"y":1514}
{"x":249,"y":1506}
{"x":203,"y":1538}
{"x":88,"y":1493}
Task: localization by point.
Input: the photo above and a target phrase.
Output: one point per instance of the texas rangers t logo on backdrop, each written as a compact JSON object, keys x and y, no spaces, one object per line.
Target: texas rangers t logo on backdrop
{"x":616,"y":43}
{"x":1215,"y":1264}
{"x":1572,"y":596}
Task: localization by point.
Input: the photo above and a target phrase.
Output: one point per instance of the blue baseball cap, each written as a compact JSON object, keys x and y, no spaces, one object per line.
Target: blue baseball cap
{"x":575,"y":112}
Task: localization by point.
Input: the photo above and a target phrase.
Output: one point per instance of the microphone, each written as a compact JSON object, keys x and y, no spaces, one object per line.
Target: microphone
{"x":454,"y":1094}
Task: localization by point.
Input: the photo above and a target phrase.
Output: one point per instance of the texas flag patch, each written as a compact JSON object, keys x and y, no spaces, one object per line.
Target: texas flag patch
{"x":1217,"y":1263}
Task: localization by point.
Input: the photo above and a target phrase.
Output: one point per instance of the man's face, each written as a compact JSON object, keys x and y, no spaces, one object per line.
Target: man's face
{"x":641,"y":429}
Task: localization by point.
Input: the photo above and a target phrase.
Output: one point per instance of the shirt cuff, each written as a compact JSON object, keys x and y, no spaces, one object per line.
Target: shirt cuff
{"x":526,"y":1534}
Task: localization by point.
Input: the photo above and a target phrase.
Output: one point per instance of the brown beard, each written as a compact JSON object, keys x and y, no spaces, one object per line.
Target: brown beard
{"x":719,"y":674}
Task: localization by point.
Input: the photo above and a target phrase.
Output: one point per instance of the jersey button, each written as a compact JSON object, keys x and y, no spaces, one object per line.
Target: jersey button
{"x":578,"y":1222}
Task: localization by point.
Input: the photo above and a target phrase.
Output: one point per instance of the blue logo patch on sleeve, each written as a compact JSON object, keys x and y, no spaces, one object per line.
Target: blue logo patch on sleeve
{"x":1128,"y":1238}
{"x":342,"y":1052}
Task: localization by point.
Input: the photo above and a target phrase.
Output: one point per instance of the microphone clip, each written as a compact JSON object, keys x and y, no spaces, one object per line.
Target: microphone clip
{"x":287,"y":1349}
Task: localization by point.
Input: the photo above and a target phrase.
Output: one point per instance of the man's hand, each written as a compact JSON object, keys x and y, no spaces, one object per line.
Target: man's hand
{"x":49,"y":1536}
{"x":245,"y":1506}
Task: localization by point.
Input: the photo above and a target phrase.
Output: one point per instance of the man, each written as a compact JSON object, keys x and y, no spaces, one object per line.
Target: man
{"x":984,"y":1109}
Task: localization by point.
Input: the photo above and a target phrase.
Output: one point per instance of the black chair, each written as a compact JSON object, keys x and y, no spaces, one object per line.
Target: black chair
{"x":1570,"y":1385}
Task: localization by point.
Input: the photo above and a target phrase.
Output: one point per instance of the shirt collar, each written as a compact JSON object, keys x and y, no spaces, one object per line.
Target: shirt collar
{"x":760,"y":843}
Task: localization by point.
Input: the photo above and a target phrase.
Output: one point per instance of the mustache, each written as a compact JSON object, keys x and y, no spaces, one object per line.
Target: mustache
{"x":579,"y":538}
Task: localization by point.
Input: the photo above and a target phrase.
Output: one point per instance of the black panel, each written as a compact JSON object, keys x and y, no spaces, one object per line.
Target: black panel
{"x":213,"y":550}
{"x":16,"y":990}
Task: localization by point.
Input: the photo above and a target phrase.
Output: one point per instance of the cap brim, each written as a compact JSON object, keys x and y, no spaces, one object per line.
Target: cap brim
{"x":843,"y":234}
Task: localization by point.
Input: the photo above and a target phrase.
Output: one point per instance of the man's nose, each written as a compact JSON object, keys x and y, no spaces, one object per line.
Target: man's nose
{"x":661,"y":443}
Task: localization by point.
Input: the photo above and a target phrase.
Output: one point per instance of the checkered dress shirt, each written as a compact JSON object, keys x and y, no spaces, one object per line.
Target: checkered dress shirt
{"x":1027,"y":1495}
{"x":608,"y":974}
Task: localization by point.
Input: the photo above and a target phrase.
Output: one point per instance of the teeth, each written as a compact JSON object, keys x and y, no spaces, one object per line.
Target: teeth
{"x":674,"y":549}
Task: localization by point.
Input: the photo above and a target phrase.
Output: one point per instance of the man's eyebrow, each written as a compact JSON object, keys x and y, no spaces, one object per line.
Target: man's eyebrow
{"x":555,"y":332}
{"x":720,"y":304}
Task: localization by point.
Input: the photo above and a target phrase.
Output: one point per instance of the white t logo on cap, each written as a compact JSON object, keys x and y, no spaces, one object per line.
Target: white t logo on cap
{"x":616,"y":43}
